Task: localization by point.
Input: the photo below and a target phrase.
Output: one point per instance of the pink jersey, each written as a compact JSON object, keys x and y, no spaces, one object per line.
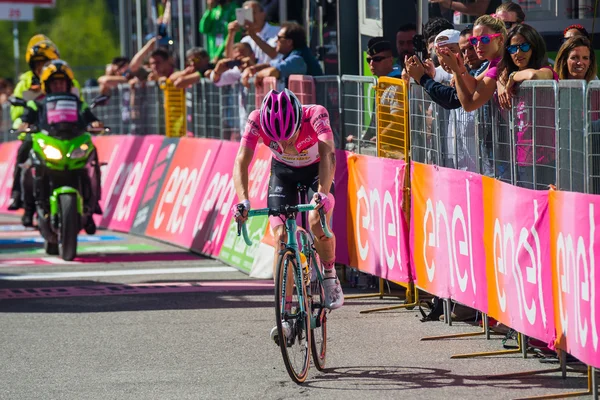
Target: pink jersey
{"x":315,"y":127}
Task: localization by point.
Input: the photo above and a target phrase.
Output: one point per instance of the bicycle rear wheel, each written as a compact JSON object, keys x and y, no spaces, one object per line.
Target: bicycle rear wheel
{"x":295,"y":349}
{"x":319,"y":313}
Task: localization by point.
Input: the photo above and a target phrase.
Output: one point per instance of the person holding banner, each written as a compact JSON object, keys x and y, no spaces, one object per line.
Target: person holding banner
{"x":301,"y":140}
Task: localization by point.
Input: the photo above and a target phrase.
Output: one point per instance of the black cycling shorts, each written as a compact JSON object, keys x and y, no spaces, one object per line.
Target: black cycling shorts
{"x":283,"y":184}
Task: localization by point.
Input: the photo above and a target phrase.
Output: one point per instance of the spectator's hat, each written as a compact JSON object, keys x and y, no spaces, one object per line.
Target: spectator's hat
{"x":377,"y":45}
{"x":448,"y":36}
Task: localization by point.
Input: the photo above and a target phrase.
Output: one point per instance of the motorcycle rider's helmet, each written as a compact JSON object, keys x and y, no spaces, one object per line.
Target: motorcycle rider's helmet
{"x":56,"y":69}
{"x":41,"y":51}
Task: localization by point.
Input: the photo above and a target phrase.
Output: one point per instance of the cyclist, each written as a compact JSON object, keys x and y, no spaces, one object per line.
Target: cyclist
{"x":60,"y":110}
{"x":39,"y":52}
{"x":301,"y":140}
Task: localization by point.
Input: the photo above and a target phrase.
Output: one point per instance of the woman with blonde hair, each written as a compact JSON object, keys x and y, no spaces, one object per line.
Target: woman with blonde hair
{"x":576,"y":59}
{"x":488,"y":39}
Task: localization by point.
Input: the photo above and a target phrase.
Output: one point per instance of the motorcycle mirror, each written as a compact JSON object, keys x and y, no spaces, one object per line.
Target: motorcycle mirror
{"x":99,"y":101}
{"x":15,"y":101}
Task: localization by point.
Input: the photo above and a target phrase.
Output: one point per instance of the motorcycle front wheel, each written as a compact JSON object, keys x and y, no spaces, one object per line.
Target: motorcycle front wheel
{"x":69,"y":226}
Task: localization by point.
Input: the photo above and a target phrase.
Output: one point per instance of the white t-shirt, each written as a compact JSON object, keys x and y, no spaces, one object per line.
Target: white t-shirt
{"x":269,"y":35}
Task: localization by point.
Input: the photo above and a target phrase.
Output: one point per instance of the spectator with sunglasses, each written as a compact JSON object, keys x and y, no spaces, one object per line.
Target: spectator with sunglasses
{"x":297,"y":58}
{"x":488,"y":40}
{"x":511,"y":13}
{"x":526,"y":59}
{"x":198,"y":66}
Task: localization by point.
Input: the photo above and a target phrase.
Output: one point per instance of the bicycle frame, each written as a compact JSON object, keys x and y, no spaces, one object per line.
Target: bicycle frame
{"x":292,"y":244}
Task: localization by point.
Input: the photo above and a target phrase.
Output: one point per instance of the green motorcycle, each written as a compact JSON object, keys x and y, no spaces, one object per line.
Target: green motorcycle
{"x":58,"y":170}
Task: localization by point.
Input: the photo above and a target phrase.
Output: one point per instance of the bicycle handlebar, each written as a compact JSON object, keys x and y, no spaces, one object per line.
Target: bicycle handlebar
{"x":286,"y":210}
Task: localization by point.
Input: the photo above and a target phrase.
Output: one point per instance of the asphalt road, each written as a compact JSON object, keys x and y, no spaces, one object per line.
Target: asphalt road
{"x":133,"y":318}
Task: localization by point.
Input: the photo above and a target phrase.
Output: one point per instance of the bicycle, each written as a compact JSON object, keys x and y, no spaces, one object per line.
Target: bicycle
{"x":311,"y":295}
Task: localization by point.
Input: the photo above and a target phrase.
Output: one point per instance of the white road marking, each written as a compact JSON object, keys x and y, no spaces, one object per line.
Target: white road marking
{"x":127,"y":272}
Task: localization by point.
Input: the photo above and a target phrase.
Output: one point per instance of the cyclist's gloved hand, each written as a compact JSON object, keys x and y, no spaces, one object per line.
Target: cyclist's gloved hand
{"x":241,"y":216}
{"x":322,"y":200}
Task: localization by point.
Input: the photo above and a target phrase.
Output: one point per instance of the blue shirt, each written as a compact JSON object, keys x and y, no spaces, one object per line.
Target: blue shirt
{"x":299,"y":61}
{"x":395,"y":73}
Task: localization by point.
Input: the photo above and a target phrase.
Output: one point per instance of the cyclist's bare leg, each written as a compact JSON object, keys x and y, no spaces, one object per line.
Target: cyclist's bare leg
{"x":325,"y":246}
{"x":334,"y":297}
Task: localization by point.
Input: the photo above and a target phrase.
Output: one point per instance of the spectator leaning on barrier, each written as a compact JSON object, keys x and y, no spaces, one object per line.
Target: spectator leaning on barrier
{"x":214,"y":22}
{"x":297,"y":57}
{"x":526,"y":59}
{"x":118,"y":72}
{"x":475,"y":65}
{"x":228,"y":71}
{"x":161,"y":65}
{"x":576,"y":59}
{"x":445,"y":95}
{"x":404,"y":43}
{"x":262,"y":37}
{"x":489,"y":43}
{"x":197,"y":66}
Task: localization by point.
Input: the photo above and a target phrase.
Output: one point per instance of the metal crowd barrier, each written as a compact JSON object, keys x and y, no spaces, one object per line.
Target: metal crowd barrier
{"x":392,"y":119}
{"x":534,"y":134}
{"x":5,"y":123}
{"x":551,"y":135}
{"x":328,"y":94}
{"x":592,"y":139}
{"x":571,"y":136}
{"x":359,"y":120}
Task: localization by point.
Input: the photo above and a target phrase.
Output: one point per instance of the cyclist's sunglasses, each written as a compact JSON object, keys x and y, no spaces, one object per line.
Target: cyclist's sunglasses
{"x":484,"y":39}
{"x":376,"y":59}
{"x":509,"y":24}
{"x":513,"y":48}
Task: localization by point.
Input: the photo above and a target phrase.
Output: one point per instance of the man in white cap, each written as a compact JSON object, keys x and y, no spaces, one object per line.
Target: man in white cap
{"x":448,"y":38}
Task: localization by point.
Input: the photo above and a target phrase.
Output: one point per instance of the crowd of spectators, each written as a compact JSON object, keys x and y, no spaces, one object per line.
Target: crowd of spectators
{"x":255,"y":49}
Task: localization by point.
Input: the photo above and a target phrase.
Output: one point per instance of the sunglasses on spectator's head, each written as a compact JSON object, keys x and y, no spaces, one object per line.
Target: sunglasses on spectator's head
{"x":509,"y":24}
{"x":484,"y":39}
{"x":513,"y":48}
{"x":376,"y":59}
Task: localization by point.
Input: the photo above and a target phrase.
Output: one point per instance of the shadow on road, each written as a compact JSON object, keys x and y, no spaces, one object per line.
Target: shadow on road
{"x":415,"y":377}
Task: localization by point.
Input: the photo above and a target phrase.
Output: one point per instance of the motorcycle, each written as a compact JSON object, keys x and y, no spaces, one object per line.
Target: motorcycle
{"x":58,"y":169}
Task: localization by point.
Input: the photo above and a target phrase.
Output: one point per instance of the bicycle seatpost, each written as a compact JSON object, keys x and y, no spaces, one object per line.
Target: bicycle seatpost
{"x":303,"y":194}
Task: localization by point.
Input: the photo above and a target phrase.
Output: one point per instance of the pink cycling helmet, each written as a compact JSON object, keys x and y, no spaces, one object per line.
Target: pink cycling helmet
{"x":280,"y":115}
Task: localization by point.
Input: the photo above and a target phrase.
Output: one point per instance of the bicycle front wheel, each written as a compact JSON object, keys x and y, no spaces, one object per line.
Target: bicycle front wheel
{"x":293,"y":321}
{"x":319,"y":316}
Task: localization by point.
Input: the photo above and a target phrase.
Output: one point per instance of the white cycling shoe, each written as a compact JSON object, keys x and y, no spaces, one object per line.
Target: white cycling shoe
{"x":334,"y":297}
{"x":287,"y":331}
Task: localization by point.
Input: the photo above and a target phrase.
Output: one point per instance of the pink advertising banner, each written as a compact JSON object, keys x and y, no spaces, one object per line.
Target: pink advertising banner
{"x":127,"y":177}
{"x":376,"y":228}
{"x":8,"y":154}
{"x":112,"y":151}
{"x":179,"y":200}
{"x":216,"y":202}
{"x":517,"y":245}
{"x":573,"y":241}
{"x":447,"y":234}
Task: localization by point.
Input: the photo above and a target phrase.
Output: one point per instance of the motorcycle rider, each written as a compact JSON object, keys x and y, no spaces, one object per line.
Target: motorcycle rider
{"x":39,"y":52}
{"x":57,"y":82}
